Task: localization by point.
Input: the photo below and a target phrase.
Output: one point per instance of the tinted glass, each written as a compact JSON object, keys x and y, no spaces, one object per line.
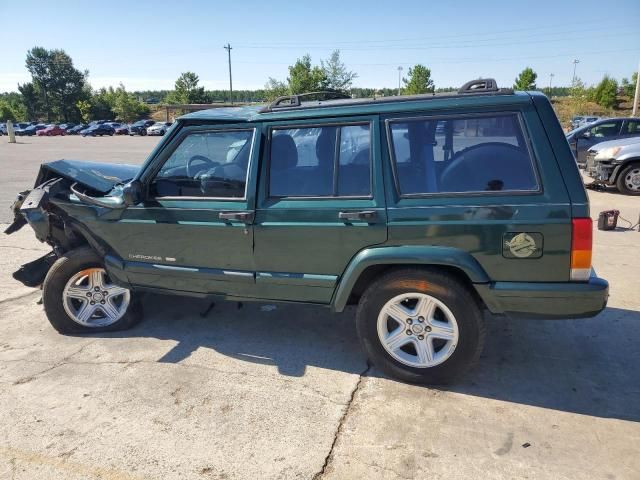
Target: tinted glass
{"x":632,"y":127}
{"x":303,"y":161}
{"x":211,"y":164}
{"x":608,"y":129}
{"x":470,"y":154}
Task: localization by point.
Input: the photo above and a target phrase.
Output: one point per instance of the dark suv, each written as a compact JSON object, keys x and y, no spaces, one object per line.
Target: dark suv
{"x":421,"y":210}
{"x":140,"y":127}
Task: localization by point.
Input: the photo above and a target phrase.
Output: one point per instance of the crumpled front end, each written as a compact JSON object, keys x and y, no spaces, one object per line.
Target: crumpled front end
{"x":59,"y":183}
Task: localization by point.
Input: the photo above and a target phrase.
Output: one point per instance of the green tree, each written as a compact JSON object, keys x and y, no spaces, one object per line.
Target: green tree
{"x":418,"y":81}
{"x":526,"y":80}
{"x":102,"y":103}
{"x":304,"y":78}
{"x":336,"y":73}
{"x":605,"y":92}
{"x":274,"y":89}
{"x":629,"y":87}
{"x":59,"y":84}
{"x":6,"y":111}
{"x":126,"y":107}
{"x":187,"y":90}
{"x":30,"y":100}
{"x":84,"y":107}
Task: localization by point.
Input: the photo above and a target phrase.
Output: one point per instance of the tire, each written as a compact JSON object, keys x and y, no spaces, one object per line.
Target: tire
{"x":143,"y":132}
{"x":631,"y":185}
{"x":454,"y":311}
{"x":84,"y":263}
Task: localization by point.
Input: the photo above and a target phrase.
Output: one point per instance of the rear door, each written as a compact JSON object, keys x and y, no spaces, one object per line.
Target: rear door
{"x":478,"y":183}
{"x":320,"y":202}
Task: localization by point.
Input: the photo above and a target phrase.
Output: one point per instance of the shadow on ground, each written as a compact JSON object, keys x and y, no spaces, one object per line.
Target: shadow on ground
{"x":590,"y":367}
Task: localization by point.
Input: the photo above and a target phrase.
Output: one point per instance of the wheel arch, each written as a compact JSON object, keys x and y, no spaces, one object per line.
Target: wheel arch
{"x":619,"y":168}
{"x":370,"y":263}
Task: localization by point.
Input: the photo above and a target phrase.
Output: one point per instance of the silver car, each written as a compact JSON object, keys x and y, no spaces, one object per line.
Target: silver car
{"x":616,"y":163}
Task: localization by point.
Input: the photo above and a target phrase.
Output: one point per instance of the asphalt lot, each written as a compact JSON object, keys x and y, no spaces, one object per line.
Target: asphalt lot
{"x":285,"y":392}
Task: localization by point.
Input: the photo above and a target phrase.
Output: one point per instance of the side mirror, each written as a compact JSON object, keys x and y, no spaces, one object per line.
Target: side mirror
{"x":586,"y":135}
{"x":132,"y":192}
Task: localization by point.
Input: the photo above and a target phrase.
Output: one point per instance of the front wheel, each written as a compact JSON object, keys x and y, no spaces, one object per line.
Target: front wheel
{"x":628,"y":181}
{"x":420,"y":326}
{"x":79,"y":297}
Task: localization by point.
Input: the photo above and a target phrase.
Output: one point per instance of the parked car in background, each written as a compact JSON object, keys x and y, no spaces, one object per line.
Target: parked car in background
{"x":30,"y":130}
{"x":158,"y":128}
{"x":16,"y":126}
{"x":588,"y":120}
{"x":583,"y":138}
{"x":77,"y":129}
{"x":313,"y":202}
{"x":140,"y":127}
{"x":575,"y":121}
{"x":98,"y":130}
{"x":616,"y":163}
{"x":51,"y":131}
{"x":67,"y":126}
{"x":122,"y":129}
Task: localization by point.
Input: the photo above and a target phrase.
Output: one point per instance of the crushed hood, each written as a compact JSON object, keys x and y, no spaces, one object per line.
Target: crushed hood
{"x":97,"y":176}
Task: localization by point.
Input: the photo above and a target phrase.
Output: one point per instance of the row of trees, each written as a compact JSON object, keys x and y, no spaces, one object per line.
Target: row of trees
{"x":605,"y":93}
{"x":58,"y":91}
{"x":332,"y":75}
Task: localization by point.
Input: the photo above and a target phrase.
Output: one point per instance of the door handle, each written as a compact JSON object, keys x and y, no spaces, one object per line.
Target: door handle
{"x":358,"y":215}
{"x":246,"y":217}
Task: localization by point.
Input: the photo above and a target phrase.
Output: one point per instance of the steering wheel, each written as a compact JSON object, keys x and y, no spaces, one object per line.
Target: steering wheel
{"x":207,"y":164}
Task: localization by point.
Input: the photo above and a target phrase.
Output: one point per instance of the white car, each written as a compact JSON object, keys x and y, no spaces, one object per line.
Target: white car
{"x":158,"y":128}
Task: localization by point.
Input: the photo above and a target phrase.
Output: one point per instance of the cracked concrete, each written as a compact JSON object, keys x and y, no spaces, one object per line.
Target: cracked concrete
{"x":287,"y":393}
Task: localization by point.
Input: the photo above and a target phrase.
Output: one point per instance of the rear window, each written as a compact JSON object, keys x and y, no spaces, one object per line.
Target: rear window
{"x":464,"y":154}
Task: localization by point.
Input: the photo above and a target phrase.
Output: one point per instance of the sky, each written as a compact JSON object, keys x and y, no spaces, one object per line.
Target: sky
{"x":147,"y":44}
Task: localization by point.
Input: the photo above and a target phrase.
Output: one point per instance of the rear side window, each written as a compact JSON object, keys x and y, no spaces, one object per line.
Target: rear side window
{"x":324,"y":161}
{"x":461,"y":155}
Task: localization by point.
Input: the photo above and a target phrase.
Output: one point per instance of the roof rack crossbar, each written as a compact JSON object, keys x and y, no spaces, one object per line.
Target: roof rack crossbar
{"x":479,"y":85}
{"x":288,"y":101}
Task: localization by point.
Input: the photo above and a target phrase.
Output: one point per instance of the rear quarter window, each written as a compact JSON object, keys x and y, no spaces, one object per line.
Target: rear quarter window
{"x":465,"y":154}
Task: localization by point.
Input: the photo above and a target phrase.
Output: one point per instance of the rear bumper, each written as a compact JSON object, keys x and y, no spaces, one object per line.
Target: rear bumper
{"x":546,"y":300}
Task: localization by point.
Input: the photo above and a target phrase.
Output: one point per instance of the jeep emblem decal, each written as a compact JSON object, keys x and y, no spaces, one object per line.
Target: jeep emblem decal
{"x":522,"y":245}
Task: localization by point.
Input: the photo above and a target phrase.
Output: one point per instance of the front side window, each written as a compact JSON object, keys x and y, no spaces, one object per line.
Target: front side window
{"x":329,"y":161}
{"x":207,"y":164}
{"x":604,"y":130}
{"x":459,"y":155}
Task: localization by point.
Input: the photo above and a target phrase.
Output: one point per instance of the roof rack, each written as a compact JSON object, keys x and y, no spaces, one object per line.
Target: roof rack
{"x":288,"y":101}
{"x":479,"y":85}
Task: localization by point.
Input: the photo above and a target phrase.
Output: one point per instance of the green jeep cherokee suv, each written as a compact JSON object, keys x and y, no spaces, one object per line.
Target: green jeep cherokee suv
{"x":421,"y":210}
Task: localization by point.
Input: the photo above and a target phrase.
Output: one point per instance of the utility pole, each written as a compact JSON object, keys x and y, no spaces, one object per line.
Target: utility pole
{"x":575,"y":63}
{"x":227,"y":47}
{"x":551,"y":75}
{"x":635,"y":97}
{"x":399,"y":75}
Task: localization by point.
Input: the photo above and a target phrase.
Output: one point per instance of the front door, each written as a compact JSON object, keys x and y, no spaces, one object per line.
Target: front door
{"x":600,"y":133}
{"x":193,"y":230}
{"x":320,"y":202}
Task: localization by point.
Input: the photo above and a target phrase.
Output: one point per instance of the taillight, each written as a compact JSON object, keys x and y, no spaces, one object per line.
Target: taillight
{"x":581,"y":246}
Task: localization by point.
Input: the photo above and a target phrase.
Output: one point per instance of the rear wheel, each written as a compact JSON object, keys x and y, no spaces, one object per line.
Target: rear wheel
{"x":420,"y":326}
{"x":143,"y":132}
{"x":79,"y":296}
{"x":628,"y":181}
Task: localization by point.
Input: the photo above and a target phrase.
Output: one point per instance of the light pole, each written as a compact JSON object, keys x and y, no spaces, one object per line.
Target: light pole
{"x":637,"y":94}
{"x":575,"y":63}
{"x":551,"y":75}
{"x":227,"y":47}
{"x":399,"y":76}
